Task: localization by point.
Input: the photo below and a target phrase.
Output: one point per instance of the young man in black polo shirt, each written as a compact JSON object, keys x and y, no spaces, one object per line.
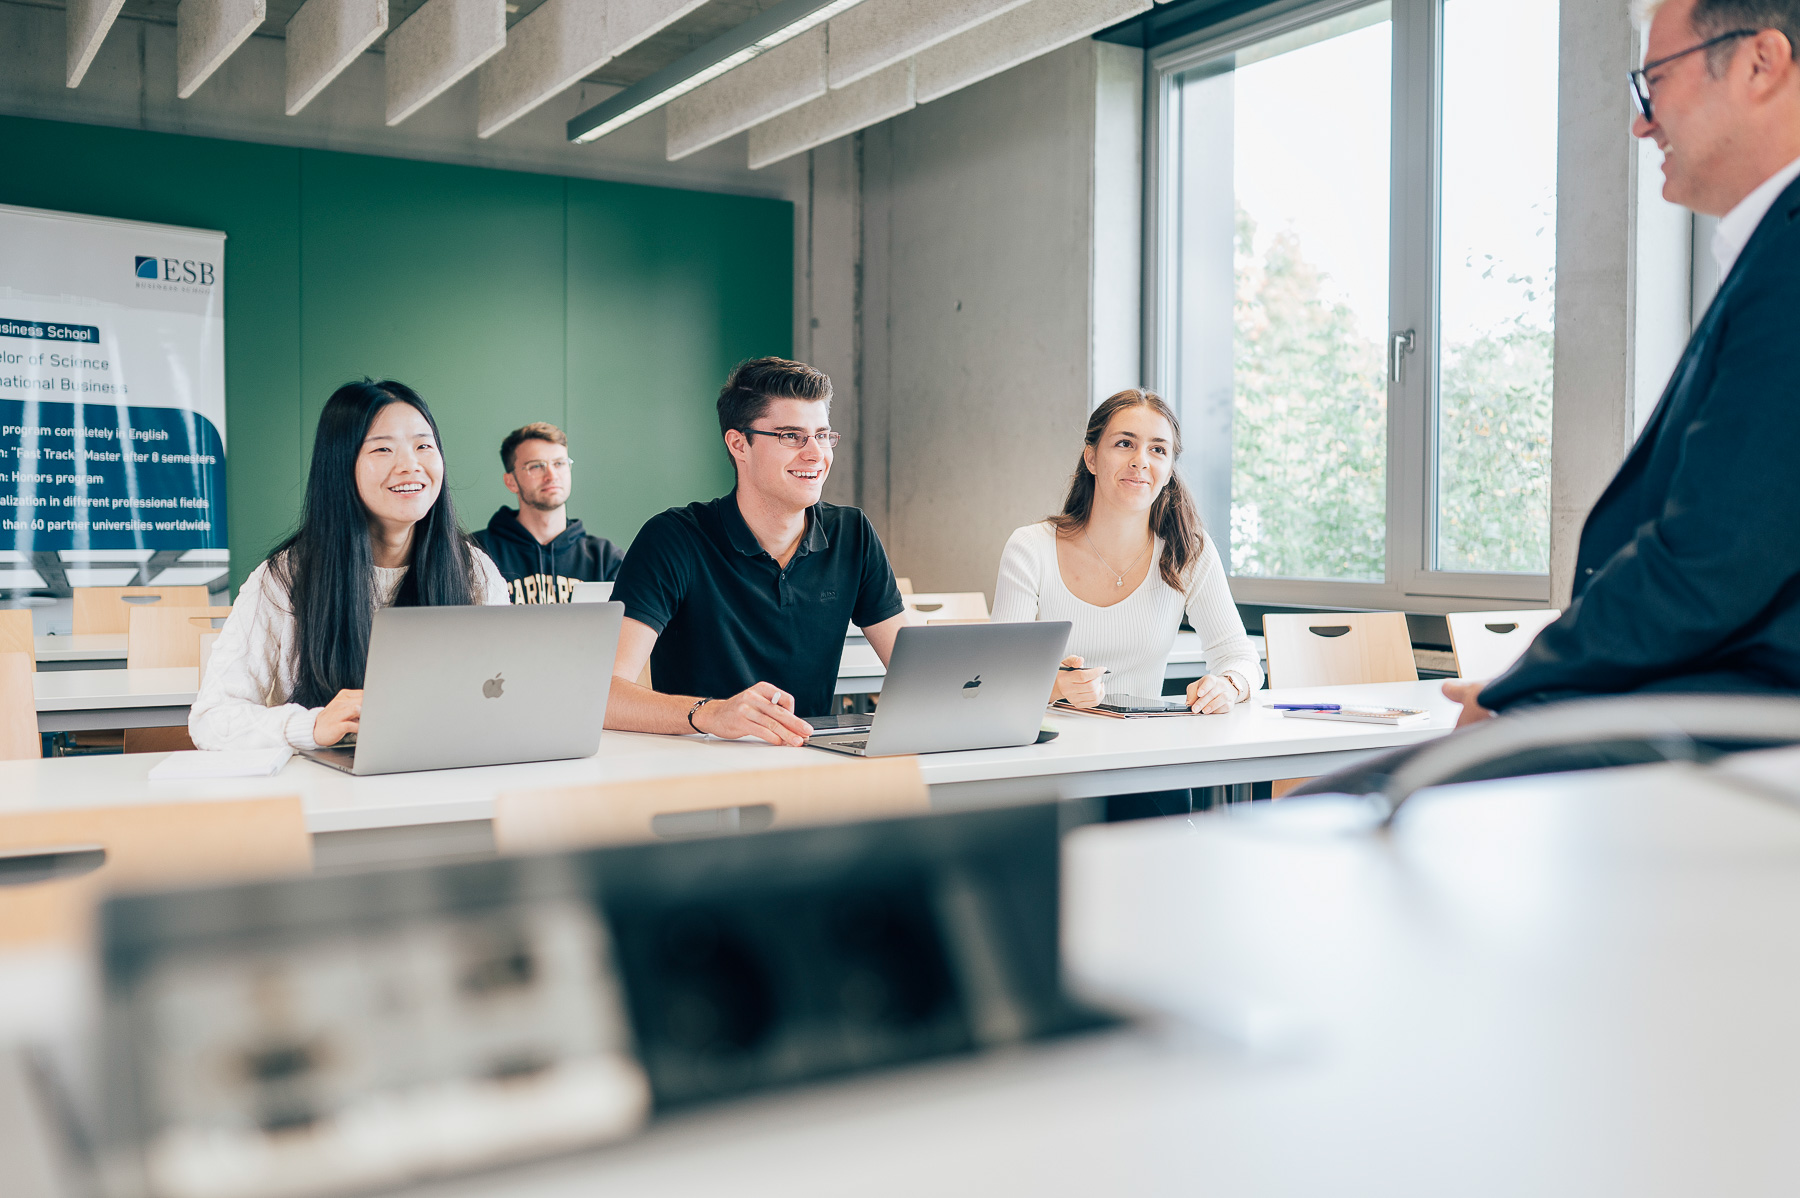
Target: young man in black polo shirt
{"x":741,"y":603}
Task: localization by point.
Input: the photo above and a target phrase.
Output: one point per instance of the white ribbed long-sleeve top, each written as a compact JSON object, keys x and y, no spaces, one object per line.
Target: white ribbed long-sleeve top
{"x":243,"y":702}
{"x":1133,"y":637}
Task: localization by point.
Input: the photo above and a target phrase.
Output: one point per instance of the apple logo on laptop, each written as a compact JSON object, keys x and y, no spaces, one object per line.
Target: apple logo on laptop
{"x":971,"y":687}
{"x":492,"y":687}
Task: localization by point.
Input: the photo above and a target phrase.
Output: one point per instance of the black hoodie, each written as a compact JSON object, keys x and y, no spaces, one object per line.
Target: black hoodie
{"x":537,"y":573}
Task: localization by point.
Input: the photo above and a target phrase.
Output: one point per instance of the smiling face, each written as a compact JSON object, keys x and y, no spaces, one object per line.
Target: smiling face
{"x":1132,"y":459}
{"x":793,"y":479}
{"x":398,"y":470}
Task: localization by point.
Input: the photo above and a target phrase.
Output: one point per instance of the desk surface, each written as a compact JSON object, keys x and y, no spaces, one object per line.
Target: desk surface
{"x":87,"y":690}
{"x":1090,"y":755}
{"x":1557,"y":987}
{"x":100,"y":646}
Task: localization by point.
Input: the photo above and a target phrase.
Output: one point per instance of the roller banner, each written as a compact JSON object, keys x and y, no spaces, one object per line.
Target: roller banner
{"x":112,"y":390}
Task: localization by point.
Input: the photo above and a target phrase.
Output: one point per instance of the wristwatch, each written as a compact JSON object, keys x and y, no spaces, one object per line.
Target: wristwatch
{"x":698,"y":704}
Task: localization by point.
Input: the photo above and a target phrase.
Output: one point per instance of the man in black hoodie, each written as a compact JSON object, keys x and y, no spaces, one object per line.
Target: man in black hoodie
{"x":542,"y":552}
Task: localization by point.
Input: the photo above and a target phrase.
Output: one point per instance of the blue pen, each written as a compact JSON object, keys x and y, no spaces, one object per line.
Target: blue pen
{"x":1307,"y":706}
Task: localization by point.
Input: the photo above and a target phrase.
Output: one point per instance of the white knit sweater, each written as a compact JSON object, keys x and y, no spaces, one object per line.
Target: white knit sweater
{"x":1132,"y":638}
{"x":243,"y":702}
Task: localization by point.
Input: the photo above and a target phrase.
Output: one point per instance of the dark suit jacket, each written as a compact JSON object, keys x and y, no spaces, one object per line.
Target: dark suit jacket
{"x":1688,"y":573}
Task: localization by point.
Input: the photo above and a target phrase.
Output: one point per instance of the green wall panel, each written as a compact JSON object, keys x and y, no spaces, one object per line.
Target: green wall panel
{"x":613,"y":310}
{"x":447,"y":278}
{"x":646,"y":361}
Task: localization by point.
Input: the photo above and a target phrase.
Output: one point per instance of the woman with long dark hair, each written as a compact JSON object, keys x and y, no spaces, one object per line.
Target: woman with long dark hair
{"x":378,"y":529}
{"x":1122,"y":561}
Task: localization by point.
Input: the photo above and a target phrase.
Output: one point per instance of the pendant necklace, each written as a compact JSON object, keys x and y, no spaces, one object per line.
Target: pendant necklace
{"x":1119,"y":579}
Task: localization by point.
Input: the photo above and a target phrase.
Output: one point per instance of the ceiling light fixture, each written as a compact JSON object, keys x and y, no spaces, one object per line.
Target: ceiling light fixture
{"x":765,"y":31}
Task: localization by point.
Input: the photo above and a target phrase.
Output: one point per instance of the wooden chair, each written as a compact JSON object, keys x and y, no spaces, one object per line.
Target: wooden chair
{"x":905,"y":585}
{"x":108,"y":609}
{"x":15,"y":632}
{"x":1338,"y":648}
{"x":708,"y":804}
{"x":946,"y":607}
{"x":1486,"y":643}
{"x":207,"y":641}
{"x":56,"y":865}
{"x":165,"y":637}
{"x":19,"y":739}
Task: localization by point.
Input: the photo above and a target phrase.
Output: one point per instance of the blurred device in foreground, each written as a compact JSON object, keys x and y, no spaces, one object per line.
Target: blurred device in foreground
{"x":457,"y":686}
{"x":333,"y":1034}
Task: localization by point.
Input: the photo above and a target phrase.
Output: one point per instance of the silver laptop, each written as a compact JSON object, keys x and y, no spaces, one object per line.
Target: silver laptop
{"x":458,"y":686}
{"x":960,"y":686}
{"x":591,"y":592}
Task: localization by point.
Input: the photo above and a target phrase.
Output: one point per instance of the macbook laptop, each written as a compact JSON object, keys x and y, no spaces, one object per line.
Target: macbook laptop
{"x":458,"y":686}
{"x":592,"y":592}
{"x":960,"y":686}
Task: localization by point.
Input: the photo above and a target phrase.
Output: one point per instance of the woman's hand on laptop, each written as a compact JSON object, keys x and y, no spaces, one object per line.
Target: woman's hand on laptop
{"x":338,"y":718}
{"x":764,"y":711}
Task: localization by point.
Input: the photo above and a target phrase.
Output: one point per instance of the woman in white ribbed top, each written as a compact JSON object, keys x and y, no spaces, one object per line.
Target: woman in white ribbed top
{"x":1122,"y":562}
{"x":377,"y":529}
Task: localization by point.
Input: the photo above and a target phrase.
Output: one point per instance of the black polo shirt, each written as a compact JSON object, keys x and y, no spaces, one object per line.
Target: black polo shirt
{"x":727,"y":616}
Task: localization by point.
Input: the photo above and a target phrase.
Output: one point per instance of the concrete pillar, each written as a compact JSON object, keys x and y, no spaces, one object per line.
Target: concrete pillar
{"x":1596,"y":277}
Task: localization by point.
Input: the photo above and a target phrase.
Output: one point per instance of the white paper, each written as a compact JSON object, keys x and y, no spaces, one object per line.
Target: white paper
{"x":234,"y":763}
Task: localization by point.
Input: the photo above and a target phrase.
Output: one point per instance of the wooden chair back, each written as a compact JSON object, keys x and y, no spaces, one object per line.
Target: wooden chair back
{"x":162,"y":637}
{"x":708,"y":804}
{"x":1488,"y":642}
{"x":56,"y":865}
{"x":108,"y":609}
{"x":15,"y":631}
{"x":905,"y":585}
{"x":19,"y":739}
{"x":1338,"y":648}
{"x":207,"y":641}
{"x":946,"y":607}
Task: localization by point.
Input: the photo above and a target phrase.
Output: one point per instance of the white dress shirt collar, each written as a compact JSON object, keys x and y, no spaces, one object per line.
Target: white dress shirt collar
{"x":1737,"y":226}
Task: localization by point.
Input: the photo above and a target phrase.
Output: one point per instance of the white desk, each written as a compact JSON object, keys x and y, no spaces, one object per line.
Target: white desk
{"x":91,"y":651}
{"x":1558,"y":987}
{"x":1091,"y":756}
{"x":80,"y":700}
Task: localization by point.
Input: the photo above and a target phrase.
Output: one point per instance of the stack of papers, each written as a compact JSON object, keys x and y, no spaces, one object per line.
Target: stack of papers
{"x":235,"y":763}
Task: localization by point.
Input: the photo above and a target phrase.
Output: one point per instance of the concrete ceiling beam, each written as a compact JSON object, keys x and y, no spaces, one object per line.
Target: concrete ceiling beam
{"x":88,"y":21}
{"x":873,"y":100}
{"x":436,"y":47}
{"x":879,"y":33}
{"x":324,"y":38}
{"x":1018,"y":36}
{"x":207,"y":32}
{"x":774,"y":82}
{"x":553,"y":47}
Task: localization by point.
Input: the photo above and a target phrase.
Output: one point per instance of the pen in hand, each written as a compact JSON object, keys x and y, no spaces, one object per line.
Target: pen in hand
{"x":1073,"y":669}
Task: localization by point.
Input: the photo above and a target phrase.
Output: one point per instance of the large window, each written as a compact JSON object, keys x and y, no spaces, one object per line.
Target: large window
{"x":1355,"y":256}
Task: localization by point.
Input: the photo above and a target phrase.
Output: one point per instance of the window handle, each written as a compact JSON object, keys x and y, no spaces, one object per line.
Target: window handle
{"x":1399,"y":345}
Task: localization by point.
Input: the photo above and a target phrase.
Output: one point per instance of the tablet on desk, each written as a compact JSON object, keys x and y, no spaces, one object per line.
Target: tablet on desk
{"x":1130,"y":707}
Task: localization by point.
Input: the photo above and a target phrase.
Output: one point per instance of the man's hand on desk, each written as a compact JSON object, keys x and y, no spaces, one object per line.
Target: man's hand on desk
{"x":764,"y":711}
{"x":1465,"y":693}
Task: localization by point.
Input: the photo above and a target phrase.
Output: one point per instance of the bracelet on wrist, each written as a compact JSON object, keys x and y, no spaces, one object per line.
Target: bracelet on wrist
{"x":694,"y":709}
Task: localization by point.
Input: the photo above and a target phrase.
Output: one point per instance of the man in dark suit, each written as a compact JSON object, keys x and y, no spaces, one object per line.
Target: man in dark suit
{"x":1687,"y":577}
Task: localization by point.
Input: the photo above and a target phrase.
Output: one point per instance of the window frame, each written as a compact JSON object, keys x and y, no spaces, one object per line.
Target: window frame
{"x":1412,"y":582}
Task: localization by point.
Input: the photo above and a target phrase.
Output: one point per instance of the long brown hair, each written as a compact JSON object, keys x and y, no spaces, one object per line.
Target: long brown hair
{"x":1172,"y":516}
